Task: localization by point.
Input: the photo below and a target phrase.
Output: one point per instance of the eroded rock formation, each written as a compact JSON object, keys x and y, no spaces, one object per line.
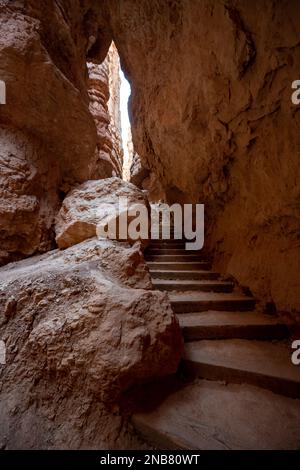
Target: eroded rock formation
{"x":114,"y":103}
{"x":93,"y":203}
{"x":212,"y":117}
{"x":138,"y":173}
{"x":80,"y":326}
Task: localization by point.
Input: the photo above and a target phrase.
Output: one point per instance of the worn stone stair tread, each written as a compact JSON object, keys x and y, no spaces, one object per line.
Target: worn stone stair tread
{"x":180,"y":252}
{"x":222,"y":324}
{"x":185,"y":257}
{"x":185,"y":284}
{"x":177,"y":265}
{"x":261,"y":363}
{"x":194,"y":301}
{"x":179,"y":274}
{"x":209,"y":415}
{"x":207,"y":296}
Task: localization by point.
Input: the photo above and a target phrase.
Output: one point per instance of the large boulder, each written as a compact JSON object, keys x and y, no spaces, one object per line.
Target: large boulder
{"x":92,"y":204}
{"x":81,"y":326}
{"x":215,"y":122}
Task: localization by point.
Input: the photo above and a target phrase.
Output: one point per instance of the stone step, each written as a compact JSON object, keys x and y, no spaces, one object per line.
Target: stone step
{"x":213,"y":416}
{"x":200,"y":301}
{"x":177,"y":275}
{"x":181,"y":258}
{"x":261,"y":363}
{"x":176,"y":265}
{"x":166,"y":236}
{"x":171,"y":251}
{"x":191,"y":285}
{"x":220,"y":324}
{"x":161,"y":227}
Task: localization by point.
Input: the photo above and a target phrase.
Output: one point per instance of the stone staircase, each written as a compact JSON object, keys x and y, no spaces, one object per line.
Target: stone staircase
{"x":238,"y":387}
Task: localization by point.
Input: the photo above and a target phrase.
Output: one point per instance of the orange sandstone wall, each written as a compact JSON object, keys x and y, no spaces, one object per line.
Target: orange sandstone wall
{"x":212,"y":117}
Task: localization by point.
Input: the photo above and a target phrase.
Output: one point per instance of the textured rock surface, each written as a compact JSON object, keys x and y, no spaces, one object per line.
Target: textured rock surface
{"x":114,"y":103}
{"x":212,"y":117}
{"x":80,"y":327}
{"x":28,"y":196}
{"x":90,"y":204}
{"x":104,"y":94}
{"x":48,"y":136}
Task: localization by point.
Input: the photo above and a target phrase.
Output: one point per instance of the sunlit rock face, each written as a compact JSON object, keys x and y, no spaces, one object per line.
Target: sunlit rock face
{"x":97,"y":203}
{"x":212,"y":117}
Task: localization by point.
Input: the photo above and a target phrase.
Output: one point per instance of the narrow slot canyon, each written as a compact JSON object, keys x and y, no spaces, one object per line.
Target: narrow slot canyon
{"x":119,"y":116}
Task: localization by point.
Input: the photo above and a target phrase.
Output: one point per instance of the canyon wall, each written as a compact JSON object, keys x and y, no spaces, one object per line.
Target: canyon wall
{"x":212,"y":117}
{"x":104,"y":95}
{"x":48,"y":135}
